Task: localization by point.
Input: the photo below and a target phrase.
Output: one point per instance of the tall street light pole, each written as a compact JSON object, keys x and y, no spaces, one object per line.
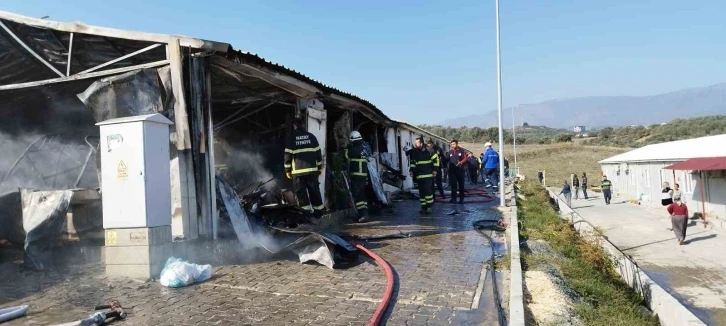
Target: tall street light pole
{"x":514,"y":141}
{"x":501,"y":132}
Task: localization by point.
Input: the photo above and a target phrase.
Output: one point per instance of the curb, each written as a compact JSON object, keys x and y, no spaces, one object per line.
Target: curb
{"x":516,"y":293}
{"x":670,"y":312}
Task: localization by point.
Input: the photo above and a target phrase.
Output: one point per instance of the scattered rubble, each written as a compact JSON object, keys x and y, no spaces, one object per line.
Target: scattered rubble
{"x":267,"y":218}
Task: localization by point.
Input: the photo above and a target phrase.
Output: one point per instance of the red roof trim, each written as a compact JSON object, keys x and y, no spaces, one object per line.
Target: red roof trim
{"x":700,"y":164}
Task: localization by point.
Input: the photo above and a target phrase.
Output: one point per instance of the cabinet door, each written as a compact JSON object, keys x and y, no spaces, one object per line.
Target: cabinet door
{"x":317,"y":125}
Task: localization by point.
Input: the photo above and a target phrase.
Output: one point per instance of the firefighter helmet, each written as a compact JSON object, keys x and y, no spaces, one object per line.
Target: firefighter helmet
{"x":354,"y":135}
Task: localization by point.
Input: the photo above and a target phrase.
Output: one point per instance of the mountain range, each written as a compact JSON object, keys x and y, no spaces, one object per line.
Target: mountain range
{"x":600,"y":111}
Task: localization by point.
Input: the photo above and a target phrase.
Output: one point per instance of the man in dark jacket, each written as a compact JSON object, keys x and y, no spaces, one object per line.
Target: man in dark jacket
{"x":473,"y":167}
{"x":439,"y":176}
{"x":540,"y":177}
{"x":506,"y":167}
{"x":425,"y":162}
{"x":481,"y":169}
{"x":356,"y":153}
{"x":584,"y":185}
{"x":303,"y":164}
{"x":456,"y":160}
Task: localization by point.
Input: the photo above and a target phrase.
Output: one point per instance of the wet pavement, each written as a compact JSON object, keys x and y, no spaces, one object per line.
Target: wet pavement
{"x":441,"y":275}
{"x":692,"y":273}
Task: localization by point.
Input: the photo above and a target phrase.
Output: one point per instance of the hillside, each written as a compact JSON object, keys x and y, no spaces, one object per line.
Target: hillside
{"x":600,"y":111}
{"x":558,"y":160}
{"x":674,"y":130}
{"x":528,"y":134}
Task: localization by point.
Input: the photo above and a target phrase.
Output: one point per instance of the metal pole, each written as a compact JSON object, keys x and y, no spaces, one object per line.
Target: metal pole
{"x":499,"y":96}
{"x":514,"y":140}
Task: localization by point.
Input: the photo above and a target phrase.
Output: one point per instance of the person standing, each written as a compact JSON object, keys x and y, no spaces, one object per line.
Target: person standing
{"x":540,"y":177}
{"x":303,"y":164}
{"x":439,"y":176}
{"x":491,"y":165}
{"x":584,"y":185}
{"x":506,"y":167}
{"x":606,"y":187}
{"x":481,"y":169}
{"x":425,"y":162}
{"x":666,"y":196}
{"x":356,"y":153}
{"x":473,"y":168}
{"x":679,"y":219}
{"x":456,"y":160}
{"x":677,"y":193}
{"x":567,"y":192}
{"x":576,"y":185}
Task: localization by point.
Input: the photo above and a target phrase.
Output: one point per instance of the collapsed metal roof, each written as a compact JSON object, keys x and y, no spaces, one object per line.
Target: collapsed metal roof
{"x":36,"y":49}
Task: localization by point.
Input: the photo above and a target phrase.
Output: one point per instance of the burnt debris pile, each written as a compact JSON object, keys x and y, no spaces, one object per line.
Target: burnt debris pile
{"x":267,"y":217}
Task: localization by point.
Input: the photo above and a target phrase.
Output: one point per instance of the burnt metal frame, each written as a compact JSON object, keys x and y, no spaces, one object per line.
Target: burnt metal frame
{"x":88,"y":73}
{"x":45,"y":139}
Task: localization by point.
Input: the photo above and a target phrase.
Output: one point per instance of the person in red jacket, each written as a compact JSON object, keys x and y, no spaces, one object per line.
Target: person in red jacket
{"x":456,"y":160}
{"x":679,"y":219}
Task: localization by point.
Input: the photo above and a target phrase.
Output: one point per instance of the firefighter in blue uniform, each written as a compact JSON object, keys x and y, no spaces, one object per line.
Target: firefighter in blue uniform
{"x":357,"y":153}
{"x":303,"y":164}
{"x":425,"y":163}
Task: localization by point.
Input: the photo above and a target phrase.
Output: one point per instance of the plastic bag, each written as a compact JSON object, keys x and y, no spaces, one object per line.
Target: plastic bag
{"x":179,"y":273}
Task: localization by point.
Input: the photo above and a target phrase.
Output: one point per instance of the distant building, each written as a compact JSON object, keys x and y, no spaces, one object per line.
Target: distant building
{"x":698,"y":165}
{"x":579,"y":129}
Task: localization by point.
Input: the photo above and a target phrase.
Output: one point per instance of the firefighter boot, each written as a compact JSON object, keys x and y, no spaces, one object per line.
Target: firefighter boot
{"x":363,"y":215}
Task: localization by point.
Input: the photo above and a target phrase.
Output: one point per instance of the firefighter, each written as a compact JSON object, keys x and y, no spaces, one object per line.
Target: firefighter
{"x":356,"y":153}
{"x":303,"y":164}
{"x":425,"y":163}
{"x":438,"y":181}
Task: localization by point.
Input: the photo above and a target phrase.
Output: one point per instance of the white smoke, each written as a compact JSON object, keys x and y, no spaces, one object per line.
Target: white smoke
{"x":243,"y":164}
{"x":45,"y":162}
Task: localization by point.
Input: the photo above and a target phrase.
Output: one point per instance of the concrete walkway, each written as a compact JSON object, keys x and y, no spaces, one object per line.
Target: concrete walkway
{"x":694,"y":273}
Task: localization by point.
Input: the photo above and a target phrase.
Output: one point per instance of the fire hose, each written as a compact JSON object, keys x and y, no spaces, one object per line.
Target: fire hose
{"x":388,"y":293}
{"x":481,"y":195}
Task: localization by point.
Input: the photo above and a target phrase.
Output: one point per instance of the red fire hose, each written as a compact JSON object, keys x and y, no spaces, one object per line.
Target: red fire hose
{"x":376,"y":319}
{"x":481,"y":195}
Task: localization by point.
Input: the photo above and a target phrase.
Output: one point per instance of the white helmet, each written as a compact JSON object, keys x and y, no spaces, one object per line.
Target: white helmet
{"x":354,"y":135}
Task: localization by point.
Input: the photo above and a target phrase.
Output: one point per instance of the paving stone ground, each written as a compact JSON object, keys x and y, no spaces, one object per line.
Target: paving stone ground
{"x":438,"y":270}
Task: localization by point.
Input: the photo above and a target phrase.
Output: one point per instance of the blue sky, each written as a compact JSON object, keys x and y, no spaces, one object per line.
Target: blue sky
{"x":427,"y":61}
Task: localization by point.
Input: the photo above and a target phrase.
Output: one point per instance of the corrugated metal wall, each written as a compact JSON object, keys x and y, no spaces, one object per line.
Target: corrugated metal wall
{"x":644,"y":180}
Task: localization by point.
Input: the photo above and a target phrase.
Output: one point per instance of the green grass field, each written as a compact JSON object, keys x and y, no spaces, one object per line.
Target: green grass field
{"x":558,"y":160}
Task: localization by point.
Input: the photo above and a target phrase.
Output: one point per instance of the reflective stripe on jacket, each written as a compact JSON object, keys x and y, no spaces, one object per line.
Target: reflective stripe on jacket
{"x":355,"y":154}
{"x":424,"y":161}
{"x":302,"y":153}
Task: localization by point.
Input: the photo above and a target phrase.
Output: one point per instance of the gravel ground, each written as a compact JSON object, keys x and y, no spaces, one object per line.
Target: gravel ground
{"x":548,"y":300}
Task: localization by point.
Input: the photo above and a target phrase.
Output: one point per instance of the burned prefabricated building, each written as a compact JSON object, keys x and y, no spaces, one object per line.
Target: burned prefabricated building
{"x":232,"y":111}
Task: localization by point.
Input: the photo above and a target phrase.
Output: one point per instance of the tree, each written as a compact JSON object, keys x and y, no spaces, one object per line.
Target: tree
{"x":525,"y":124}
{"x":564,"y":138}
{"x":606,"y":132}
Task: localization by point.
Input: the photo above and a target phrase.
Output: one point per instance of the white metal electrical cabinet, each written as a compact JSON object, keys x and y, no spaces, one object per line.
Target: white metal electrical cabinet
{"x":135,"y":180}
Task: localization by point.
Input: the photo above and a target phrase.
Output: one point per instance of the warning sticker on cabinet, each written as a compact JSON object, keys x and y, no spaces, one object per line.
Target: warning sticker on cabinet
{"x":110,"y":238}
{"x":122,"y":172}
